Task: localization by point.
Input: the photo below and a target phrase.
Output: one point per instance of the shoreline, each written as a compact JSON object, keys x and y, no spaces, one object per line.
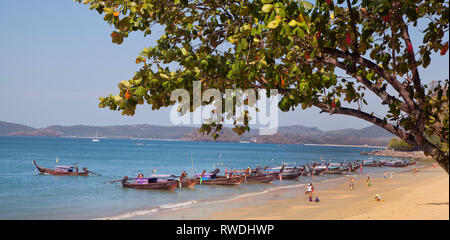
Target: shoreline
{"x":187,"y":140}
{"x":341,"y":145}
{"x":398,"y":154}
{"x":406,"y":196}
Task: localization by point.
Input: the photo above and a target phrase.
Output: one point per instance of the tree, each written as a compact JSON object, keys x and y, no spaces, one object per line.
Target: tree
{"x":324,"y":55}
{"x":400,"y":145}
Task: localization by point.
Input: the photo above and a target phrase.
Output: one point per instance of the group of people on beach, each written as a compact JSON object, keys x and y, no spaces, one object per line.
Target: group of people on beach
{"x":386,"y":176}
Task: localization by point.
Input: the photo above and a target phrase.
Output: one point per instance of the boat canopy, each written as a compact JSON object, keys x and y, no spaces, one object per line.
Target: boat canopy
{"x":64,"y":167}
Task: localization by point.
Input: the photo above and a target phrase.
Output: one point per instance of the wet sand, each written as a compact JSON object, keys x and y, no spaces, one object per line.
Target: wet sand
{"x":424,"y":195}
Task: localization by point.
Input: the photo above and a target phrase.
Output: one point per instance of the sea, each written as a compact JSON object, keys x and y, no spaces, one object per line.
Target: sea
{"x":26,"y":194}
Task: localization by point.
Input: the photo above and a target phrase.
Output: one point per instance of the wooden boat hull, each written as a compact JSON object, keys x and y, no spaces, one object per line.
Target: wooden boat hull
{"x":169,"y":185}
{"x":188,"y":183}
{"x":379,"y":164}
{"x":266,"y":178}
{"x":399,"y":165}
{"x":48,"y":171}
{"x":290,"y":176}
{"x":336,"y":171}
{"x":316,"y":172}
{"x":354,"y":169}
{"x":231,"y":181}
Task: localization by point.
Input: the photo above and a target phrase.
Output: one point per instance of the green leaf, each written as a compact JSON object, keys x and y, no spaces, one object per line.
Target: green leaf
{"x":267,"y":8}
{"x":307,"y":5}
{"x":274,"y":23}
{"x":244,"y":44}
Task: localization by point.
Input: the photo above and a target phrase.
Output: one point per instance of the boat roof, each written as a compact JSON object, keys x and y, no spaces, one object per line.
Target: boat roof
{"x":162,"y":176}
{"x":64,"y":167}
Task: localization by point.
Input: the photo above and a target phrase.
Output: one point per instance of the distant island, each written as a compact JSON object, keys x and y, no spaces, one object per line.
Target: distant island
{"x":371,"y":136}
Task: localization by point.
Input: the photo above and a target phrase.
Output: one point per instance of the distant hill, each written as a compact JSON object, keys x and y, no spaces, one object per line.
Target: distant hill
{"x":6,"y":128}
{"x":125,"y":131}
{"x":297,"y":134}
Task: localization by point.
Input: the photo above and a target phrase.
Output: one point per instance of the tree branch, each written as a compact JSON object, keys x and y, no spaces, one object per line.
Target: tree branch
{"x":380,"y":71}
{"x":368,"y":117}
{"x":381,"y":93}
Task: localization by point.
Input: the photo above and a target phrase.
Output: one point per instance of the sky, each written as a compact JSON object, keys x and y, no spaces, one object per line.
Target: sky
{"x":57,"y":59}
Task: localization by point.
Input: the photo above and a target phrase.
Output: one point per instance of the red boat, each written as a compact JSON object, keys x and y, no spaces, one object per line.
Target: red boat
{"x":62,"y":170}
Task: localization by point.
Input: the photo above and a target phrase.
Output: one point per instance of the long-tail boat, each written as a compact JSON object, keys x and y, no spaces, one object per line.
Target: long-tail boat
{"x":290,"y":175}
{"x":286,"y":173}
{"x":187,"y":182}
{"x":150,"y":183}
{"x":372,"y":163}
{"x":62,"y":170}
{"x":398,"y":164}
{"x":332,"y":168}
{"x":213,"y":179}
{"x":253,"y":176}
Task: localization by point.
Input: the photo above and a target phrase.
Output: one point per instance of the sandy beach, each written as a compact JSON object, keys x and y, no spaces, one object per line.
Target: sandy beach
{"x":406,"y":196}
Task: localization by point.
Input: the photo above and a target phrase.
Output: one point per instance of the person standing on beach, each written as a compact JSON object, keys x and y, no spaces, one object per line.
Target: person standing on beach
{"x":369,"y":184}
{"x":309,"y":191}
{"x":385,"y":176}
{"x":352,"y":183}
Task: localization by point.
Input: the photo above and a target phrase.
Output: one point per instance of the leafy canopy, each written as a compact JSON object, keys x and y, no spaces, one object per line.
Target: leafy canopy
{"x":325,"y":54}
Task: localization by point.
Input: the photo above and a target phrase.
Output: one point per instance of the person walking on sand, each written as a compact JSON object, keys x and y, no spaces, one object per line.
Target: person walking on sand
{"x":352,"y":183}
{"x":385,"y":176}
{"x":309,"y":191}
{"x":369,"y":184}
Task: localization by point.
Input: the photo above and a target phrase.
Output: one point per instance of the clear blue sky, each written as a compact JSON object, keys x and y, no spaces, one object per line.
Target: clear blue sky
{"x":57,"y":58}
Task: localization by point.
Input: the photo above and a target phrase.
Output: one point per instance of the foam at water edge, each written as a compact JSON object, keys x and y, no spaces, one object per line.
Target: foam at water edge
{"x":150,"y":211}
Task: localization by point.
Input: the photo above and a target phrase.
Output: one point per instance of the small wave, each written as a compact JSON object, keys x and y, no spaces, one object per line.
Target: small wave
{"x":177,"y":205}
{"x":172,"y":206}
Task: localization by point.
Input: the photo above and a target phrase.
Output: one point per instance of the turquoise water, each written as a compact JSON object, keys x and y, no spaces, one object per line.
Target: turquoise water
{"x":27,"y":195}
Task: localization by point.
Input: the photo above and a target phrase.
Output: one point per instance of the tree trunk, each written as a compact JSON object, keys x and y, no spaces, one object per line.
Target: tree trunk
{"x":433,"y":151}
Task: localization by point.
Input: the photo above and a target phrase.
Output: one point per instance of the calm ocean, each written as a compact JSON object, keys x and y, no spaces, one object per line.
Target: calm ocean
{"x":24,"y":194}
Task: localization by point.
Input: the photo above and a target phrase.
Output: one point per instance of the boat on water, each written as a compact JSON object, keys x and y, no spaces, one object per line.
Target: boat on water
{"x":290,"y":175}
{"x":187,"y":182}
{"x":253,"y":176}
{"x":286,"y":172}
{"x":372,"y":163}
{"x":62,"y":170}
{"x":96,"y":137}
{"x":340,"y":168}
{"x":150,"y":183}
{"x":213,"y":179}
{"x":398,"y":164}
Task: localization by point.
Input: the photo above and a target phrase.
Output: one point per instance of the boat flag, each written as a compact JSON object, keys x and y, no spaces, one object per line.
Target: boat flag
{"x":57,"y":159}
{"x":201,"y":177}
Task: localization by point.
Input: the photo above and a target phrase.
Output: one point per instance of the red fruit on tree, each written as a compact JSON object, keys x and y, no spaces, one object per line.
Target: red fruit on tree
{"x":410,"y":48}
{"x":307,"y":55}
{"x":348,"y":39}
{"x":127,"y":94}
{"x":333,"y":103}
{"x":444,"y":49}
{"x":328,"y":2}
{"x":387,"y":18}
